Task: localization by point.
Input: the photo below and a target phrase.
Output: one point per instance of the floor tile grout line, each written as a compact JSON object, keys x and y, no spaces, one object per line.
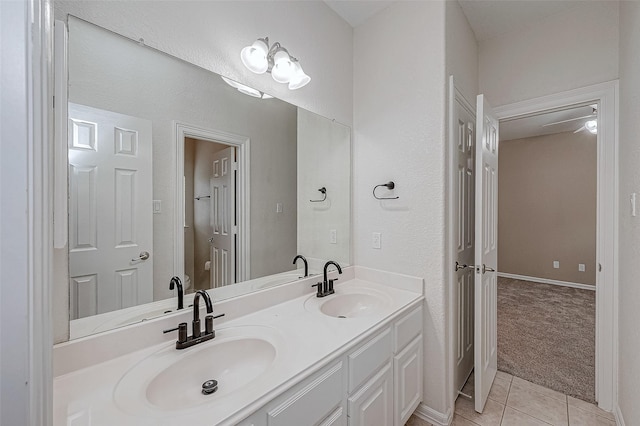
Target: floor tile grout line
{"x":527,"y":414}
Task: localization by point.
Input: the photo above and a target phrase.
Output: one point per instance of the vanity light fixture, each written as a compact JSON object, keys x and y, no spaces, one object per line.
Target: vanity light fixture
{"x":246,"y":89}
{"x":284,"y":68}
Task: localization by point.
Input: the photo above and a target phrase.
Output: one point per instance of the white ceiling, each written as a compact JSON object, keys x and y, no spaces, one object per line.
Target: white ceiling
{"x":535,"y":125}
{"x":487,"y":18}
{"x":356,"y":12}
{"x":490,"y":18}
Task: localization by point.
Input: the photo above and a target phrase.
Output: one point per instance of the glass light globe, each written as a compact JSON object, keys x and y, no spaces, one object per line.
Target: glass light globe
{"x":283,"y":68}
{"x":254,"y":57}
{"x":592,"y":126}
{"x":299,"y":78}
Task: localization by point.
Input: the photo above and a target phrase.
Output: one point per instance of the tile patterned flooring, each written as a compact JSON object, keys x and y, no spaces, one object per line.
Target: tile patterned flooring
{"x":517,"y":402}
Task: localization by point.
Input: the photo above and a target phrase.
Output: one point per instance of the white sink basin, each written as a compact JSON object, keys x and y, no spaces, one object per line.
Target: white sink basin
{"x":171,"y":379}
{"x":353,"y":303}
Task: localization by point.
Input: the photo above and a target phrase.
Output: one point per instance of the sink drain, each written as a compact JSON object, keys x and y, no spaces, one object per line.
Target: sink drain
{"x":341,"y":316}
{"x":209,"y":387}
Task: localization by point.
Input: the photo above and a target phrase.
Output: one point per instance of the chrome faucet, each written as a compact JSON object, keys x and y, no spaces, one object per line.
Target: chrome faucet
{"x":306,"y":265}
{"x":197,"y":336}
{"x":325,"y":288}
{"x":175,"y":282}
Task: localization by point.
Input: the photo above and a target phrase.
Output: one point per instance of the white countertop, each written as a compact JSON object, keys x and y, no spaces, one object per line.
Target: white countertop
{"x":309,"y":340}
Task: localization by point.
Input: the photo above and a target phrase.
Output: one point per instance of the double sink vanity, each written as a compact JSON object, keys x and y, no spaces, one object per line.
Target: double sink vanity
{"x":281,"y":356}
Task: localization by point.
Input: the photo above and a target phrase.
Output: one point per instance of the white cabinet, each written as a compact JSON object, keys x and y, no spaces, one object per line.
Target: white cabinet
{"x":313,"y":402}
{"x":379,"y":383}
{"x":407,"y":371}
{"x":372,"y":404}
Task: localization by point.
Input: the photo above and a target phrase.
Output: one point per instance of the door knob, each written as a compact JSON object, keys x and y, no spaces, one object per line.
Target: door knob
{"x":485,"y":269}
{"x":463,"y":266}
{"x":143,"y":256}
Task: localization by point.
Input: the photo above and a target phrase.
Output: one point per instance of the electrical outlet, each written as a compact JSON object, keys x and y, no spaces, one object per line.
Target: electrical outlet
{"x":556,"y":264}
{"x":376,"y":240}
{"x":278,"y":207}
{"x":333,"y":236}
{"x":581,"y":267}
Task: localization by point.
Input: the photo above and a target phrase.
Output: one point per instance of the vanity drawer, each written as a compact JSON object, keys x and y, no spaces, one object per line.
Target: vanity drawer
{"x":311,"y":402}
{"x":407,"y":329}
{"x":368,"y":358}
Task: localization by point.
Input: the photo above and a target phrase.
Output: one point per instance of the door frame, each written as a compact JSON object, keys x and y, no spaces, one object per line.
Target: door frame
{"x":242,"y":144}
{"x":606,"y":94}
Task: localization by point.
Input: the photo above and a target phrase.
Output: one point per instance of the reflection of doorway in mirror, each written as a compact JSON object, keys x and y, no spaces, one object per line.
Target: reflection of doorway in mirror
{"x":210,"y":233}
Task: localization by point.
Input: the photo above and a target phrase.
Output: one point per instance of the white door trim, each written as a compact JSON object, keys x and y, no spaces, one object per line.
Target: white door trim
{"x":26,"y":222}
{"x":606,"y":94}
{"x":242,"y":143}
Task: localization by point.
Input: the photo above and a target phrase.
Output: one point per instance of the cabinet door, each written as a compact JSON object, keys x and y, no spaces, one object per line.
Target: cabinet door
{"x":311,"y":402}
{"x":337,"y":418}
{"x":372,"y":404}
{"x":256,"y":419}
{"x":407,"y":367}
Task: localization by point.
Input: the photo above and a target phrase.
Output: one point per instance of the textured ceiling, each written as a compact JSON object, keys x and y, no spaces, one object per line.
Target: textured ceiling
{"x":490,"y":18}
{"x":356,"y":12}
{"x":535,"y":125}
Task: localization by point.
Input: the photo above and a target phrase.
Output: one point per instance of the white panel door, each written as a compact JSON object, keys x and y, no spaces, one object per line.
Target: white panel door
{"x":110,"y":213}
{"x":486,"y":252}
{"x":464,"y":206}
{"x":223,"y":218}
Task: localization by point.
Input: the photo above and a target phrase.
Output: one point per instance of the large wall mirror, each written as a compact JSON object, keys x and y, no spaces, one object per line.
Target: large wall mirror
{"x":174,"y":172}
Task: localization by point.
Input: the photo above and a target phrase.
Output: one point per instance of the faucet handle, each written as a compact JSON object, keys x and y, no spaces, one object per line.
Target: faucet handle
{"x":319,"y":293}
{"x":182,"y":332}
{"x":330,"y":289}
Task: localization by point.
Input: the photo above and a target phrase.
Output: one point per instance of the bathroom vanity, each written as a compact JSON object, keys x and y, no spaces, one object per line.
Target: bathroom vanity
{"x":281,"y":356}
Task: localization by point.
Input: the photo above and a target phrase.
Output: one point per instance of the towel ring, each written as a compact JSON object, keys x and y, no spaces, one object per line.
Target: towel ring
{"x":323,"y":190}
{"x":390,"y":185}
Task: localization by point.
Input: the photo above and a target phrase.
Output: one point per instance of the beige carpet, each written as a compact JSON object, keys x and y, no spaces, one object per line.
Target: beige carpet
{"x":546,"y":334}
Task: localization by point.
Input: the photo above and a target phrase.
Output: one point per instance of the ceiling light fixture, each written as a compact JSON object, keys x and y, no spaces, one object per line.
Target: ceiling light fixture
{"x":284,"y":68}
{"x":246,"y":89}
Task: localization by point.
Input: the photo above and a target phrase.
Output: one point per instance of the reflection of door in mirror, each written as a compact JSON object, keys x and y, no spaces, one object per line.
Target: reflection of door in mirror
{"x":210,"y":238}
{"x":111,"y":226}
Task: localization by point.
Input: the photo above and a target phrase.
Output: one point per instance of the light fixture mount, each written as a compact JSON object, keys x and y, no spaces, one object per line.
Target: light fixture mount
{"x":259,"y":58}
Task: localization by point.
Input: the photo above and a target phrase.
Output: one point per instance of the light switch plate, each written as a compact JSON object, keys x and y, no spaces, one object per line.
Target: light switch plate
{"x":556,"y":264}
{"x":333,"y":236}
{"x":157,"y":206}
{"x":376,"y":240}
{"x":581,"y":267}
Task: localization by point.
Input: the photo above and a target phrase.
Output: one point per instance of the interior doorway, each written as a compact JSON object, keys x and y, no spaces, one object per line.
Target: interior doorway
{"x":547,"y":249}
{"x":210,"y":222}
{"x":211,"y":244}
{"x":604,"y":95}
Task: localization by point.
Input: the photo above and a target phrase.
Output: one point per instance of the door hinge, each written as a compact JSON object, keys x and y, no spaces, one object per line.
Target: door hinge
{"x":599,"y":267}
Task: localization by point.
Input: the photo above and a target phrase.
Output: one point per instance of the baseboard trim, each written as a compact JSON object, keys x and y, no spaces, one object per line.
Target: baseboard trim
{"x":617,"y":413}
{"x":547,"y":281}
{"x":434,"y":417}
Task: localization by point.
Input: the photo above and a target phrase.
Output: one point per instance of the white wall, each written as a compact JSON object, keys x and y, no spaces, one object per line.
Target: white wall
{"x":212,"y":33}
{"x":629,"y":243}
{"x":399,"y":98}
{"x":324,"y":160}
{"x":565,"y":51}
{"x":461,"y":51}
